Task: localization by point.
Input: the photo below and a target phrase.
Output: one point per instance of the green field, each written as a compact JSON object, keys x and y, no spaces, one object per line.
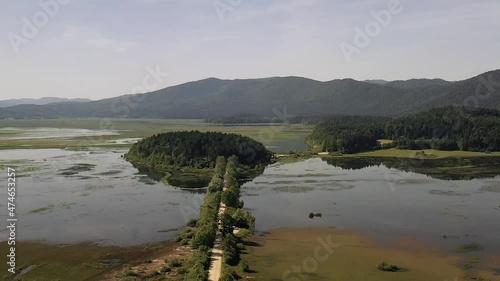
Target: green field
{"x":276,"y":137}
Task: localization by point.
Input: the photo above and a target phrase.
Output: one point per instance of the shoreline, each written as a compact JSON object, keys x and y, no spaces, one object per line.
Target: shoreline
{"x":430,"y":154}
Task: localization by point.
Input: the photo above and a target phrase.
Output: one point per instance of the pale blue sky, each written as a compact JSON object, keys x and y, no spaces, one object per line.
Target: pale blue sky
{"x":100,"y":48}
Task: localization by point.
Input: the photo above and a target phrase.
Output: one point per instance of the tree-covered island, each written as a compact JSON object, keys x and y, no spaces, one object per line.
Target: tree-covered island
{"x":188,"y":159}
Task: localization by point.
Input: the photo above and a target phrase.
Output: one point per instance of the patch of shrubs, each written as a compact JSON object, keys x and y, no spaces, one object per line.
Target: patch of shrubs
{"x":384,"y":266}
{"x":228,"y":275}
{"x":231,"y":250}
{"x":192,"y":222}
{"x":312,"y":215}
{"x":175,"y":263}
{"x":244,"y":267}
{"x":196,"y":267}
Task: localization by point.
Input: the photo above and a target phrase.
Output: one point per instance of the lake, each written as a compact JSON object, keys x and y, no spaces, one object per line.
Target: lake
{"x":385,"y":203}
{"x":68,"y":196}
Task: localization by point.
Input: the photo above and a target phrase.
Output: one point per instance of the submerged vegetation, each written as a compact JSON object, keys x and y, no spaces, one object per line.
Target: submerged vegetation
{"x":45,"y":209}
{"x":473,"y":247}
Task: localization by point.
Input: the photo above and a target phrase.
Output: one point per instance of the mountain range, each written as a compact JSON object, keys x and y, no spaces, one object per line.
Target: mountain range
{"x":412,"y":83}
{"x":300,"y":96}
{"x":41,"y":101}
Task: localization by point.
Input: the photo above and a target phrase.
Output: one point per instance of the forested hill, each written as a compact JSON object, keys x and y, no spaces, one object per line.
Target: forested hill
{"x":197,"y":150}
{"x":264,"y":97}
{"x":448,"y":128}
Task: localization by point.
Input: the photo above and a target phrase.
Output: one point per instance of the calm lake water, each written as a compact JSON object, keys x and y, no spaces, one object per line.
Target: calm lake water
{"x":74,"y":196}
{"x":382,"y":202}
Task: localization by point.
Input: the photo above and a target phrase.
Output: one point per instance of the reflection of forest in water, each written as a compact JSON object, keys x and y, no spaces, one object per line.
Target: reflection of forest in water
{"x":446,"y":168}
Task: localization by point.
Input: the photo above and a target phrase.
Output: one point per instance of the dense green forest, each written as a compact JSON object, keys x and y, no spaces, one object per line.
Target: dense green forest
{"x":197,"y":150}
{"x":448,"y":128}
{"x":348,"y":134}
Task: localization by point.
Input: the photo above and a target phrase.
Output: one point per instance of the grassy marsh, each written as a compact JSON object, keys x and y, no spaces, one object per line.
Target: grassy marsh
{"x":355,"y":258}
{"x":79,"y":262}
{"x":276,"y":137}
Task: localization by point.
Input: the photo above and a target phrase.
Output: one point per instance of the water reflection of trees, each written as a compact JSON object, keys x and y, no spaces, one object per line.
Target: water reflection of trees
{"x":446,"y":168}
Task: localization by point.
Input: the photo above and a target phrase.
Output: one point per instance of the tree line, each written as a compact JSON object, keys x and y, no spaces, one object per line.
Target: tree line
{"x":234,"y":217}
{"x":201,"y":232}
{"x":196,"y":149}
{"x":348,"y":134}
{"x":447,"y":128}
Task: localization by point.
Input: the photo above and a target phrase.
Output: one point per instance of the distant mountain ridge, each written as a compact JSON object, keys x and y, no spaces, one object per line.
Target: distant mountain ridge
{"x":270,"y":97}
{"x":412,"y":83}
{"x":419,"y":83}
{"x":41,"y":101}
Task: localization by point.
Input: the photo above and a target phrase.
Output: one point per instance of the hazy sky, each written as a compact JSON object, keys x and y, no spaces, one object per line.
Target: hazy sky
{"x":101,"y":48}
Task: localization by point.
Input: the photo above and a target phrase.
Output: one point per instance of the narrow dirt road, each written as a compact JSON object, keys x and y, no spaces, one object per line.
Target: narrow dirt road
{"x":216,"y":260}
{"x":215,"y":270}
